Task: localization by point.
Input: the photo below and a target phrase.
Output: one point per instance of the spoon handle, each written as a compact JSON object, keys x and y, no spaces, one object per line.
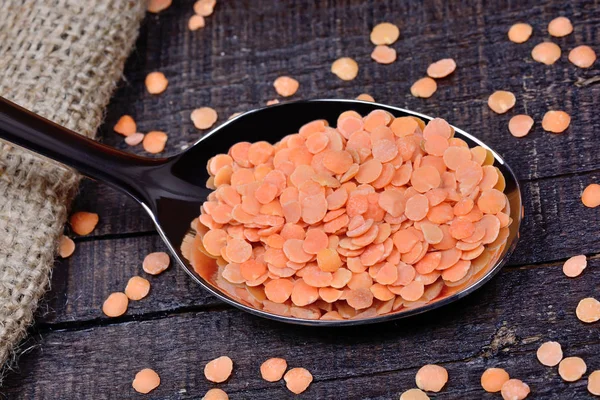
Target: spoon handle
{"x":95,"y":160}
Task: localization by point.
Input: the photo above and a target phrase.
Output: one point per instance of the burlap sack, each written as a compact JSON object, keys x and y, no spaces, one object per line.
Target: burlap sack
{"x":61,"y":59}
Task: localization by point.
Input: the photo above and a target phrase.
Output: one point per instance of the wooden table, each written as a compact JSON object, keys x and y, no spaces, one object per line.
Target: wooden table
{"x":74,"y":352}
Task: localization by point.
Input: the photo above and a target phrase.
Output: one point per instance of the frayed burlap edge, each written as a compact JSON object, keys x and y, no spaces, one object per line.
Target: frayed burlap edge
{"x":61,"y":59}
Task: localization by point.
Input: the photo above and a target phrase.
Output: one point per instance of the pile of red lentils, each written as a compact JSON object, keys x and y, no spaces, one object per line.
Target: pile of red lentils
{"x":374,"y":216}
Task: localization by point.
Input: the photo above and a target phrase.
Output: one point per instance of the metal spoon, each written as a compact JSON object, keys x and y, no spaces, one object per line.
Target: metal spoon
{"x":172,"y":189}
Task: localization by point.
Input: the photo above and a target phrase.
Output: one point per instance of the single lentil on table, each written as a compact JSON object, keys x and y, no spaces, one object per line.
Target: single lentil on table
{"x":375,"y":216}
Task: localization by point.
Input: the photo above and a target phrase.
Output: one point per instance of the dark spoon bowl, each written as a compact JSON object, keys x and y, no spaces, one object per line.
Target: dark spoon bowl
{"x":172,"y":189}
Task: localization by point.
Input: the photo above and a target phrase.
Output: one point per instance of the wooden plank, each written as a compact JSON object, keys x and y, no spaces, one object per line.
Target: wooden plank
{"x":501,"y":325}
{"x":231,"y":64}
{"x":81,"y":283}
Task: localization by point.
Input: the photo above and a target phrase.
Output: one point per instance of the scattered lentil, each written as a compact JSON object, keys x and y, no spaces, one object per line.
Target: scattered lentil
{"x":156,"y":82}
{"x":83,"y":223}
{"x":204,"y":117}
{"x":365,"y":97}
{"x":501,"y":101}
{"x":66,"y":246}
{"x":137,"y":288}
{"x":155,"y":141}
{"x":286,"y":86}
{"x":414,"y":394}
{"x":297,"y":380}
{"x":125,"y":126}
{"x":582,"y":56}
{"x":556,"y":121}
{"x":383,"y":54}
{"x":384,"y":33}
{"x":560,"y":27}
{"x":574,"y":266}
{"x":204,"y":7}
{"x":571,"y":369}
{"x":273,"y":369}
{"x":520,"y":125}
{"x":345,"y":68}
{"x":546,"y":53}
{"x":219,"y":369}
{"x":215,"y":394}
{"x":588,"y":310}
{"x":115,"y":304}
{"x":550,"y":354}
{"x":424,"y":87}
{"x":134,"y":139}
{"x":156,"y":6}
{"x":431,"y":378}
{"x":156,"y":263}
{"x":591,"y":195}
{"x":593,"y":385}
{"x":492,"y":379}
{"x":145,"y":381}
{"x":196,"y":22}
{"x":441,"y":68}
{"x":520,"y":32}
{"x":514,"y":389}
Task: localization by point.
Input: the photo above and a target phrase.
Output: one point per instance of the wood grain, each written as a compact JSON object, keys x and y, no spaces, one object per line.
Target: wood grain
{"x":77,"y":353}
{"x":500,"y":325}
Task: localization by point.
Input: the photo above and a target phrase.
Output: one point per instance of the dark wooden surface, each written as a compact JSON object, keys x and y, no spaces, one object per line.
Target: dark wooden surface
{"x":74,"y":352}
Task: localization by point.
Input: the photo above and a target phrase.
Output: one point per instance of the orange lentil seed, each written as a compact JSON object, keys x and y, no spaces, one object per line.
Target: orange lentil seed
{"x":556,"y":121}
{"x":550,"y":353}
{"x":83,"y":223}
{"x":514,"y":389}
{"x":196,"y":22}
{"x":273,"y":369}
{"x":560,"y":26}
{"x":588,"y":310}
{"x":414,"y":394}
{"x":297,"y":380}
{"x":365,"y":97}
{"x":286,"y":86}
{"x":520,"y":125}
{"x":520,"y":32}
{"x":66,"y":246}
{"x":204,"y":7}
{"x":125,"y":126}
{"x":156,"y":6}
{"x":441,"y":68}
{"x":134,"y":139}
{"x":137,"y":288}
{"x":115,"y":304}
{"x":204,"y":117}
{"x":383,"y":54}
{"x":345,"y":68}
{"x":501,"y":101}
{"x":593,"y":385}
{"x":215,"y":394}
{"x":384,"y":33}
{"x":424,"y":87}
{"x":492,"y":379}
{"x":156,"y":82}
{"x":574,"y":266}
{"x":591,"y":195}
{"x":154,"y":141}
{"x":219,"y":369}
{"x":571,"y":369}
{"x":431,"y":378}
{"x":145,"y":381}
{"x":546,"y":53}
{"x":582,"y":56}
{"x":156,"y":263}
